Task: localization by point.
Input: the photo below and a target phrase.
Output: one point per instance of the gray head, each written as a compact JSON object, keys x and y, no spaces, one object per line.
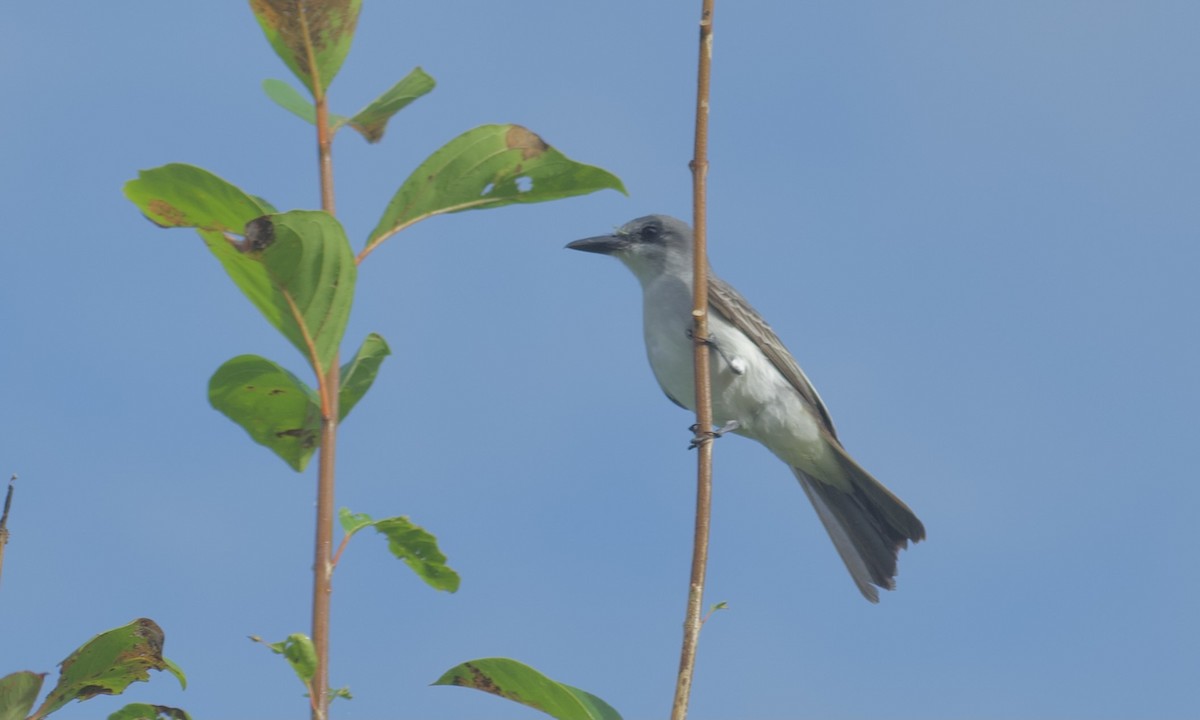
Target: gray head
{"x":649,"y":246}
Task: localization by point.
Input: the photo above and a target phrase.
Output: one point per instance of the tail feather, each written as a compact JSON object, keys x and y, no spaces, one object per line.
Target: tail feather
{"x":868,"y":525}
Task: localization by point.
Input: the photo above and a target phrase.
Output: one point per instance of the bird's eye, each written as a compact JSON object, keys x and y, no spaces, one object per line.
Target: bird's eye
{"x":650,"y":232}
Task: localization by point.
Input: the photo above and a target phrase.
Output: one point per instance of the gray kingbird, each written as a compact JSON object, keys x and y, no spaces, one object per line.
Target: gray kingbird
{"x":760,"y":392}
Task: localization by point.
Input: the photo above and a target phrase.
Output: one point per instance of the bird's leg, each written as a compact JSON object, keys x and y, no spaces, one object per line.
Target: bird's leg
{"x":727,"y":428}
{"x":699,"y":438}
{"x":736,"y":364}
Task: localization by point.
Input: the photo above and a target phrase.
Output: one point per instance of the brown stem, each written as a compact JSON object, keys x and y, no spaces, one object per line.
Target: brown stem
{"x":4,"y":520}
{"x":323,"y":556}
{"x":704,"y":420}
{"x":329,"y":390}
{"x":325,"y":155}
{"x":337,"y":556}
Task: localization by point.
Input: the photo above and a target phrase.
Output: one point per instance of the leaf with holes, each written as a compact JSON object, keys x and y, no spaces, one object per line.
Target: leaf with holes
{"x":109,"y":662}
{"x":372,"y":120}
{"x":312,"y":37}
{"x":288,"y":98}
{"x":271,"y":404}
{"x":18,"y":693}
{"x":490,"y":166}
{"x":411,"y":543}
{"x":520,"y":683}
{"x":358,"y":375}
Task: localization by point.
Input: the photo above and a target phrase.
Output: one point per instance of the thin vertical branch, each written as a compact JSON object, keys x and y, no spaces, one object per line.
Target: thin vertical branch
{"x":325,"y":155}
{"x":704,"y":420}
{"x":323,"y":554}
{"x":4,"y":520}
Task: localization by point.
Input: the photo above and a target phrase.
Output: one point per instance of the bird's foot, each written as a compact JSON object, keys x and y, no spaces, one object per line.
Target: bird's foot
{"x":736,"y":365}
{"x":699,"y":438}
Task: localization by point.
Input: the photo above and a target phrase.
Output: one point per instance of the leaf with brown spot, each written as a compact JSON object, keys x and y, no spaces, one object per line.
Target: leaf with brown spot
{"x":109,"y":663}
{"x":312,"y":271}
{"x":372,"y":120}
{"x":530,"y":145}
{"x":490,"y":166}
{"x":312,"y":37}
{"x":299,"y":272}
{"x":520,"y":683}
{"x":144,"y":711}
{"x":275,"y":407}
{"x":180,"y":195}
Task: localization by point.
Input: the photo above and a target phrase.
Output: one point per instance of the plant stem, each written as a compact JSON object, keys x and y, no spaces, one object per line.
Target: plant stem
{"x":323,"y":555}
{"x":704,"y":420}
{"x":323,"y":559}
{"x":325,"y":155}
{"x":4,"y":519}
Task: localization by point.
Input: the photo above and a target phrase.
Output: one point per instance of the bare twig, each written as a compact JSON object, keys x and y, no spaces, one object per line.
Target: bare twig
{"x":4,"y":520}
{"x":704,"y":420}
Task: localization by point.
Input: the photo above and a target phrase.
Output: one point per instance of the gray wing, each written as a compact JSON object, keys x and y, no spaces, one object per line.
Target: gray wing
{"x":734,"y":308}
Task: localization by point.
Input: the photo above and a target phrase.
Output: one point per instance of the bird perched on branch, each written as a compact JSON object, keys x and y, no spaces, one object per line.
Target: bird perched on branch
{"x":760,"y":392}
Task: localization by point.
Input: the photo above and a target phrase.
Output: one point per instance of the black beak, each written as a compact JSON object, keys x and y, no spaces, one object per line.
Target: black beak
{"x":603,"y":244}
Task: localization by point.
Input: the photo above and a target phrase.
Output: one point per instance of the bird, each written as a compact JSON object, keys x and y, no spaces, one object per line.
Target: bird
{"x":759,"y":392}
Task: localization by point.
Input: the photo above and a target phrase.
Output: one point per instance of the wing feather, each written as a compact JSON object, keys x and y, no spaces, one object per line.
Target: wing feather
{"x":734,"y":308}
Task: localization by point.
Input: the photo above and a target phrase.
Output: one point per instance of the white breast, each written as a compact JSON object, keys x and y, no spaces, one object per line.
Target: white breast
{"x":766,"y":406}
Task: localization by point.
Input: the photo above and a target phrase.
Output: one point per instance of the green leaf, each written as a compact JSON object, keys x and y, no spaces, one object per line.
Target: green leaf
{"x":298,"y":269}
{"x":18,"y":693}
{"x":142,"y":711}
{"x":358,"y":374}
{"x":312,"y":37}
{"x":353,"y":522}
{"x":520,"y":683}
{"x":273,"y":405}
{"x":109,"y":662}
{"x":372,"y":120}
{"x":179,"y":195}
{"x":490,"y":166}
{"x":419,"y":550}
{"x":249,"y":276}
{"x":298,"y":649}
{"x":288,"y":98}
{"x":411,"y":543}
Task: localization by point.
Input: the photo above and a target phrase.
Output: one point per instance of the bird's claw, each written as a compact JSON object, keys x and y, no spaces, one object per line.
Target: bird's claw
{"x":736,"y":365}
{"x":699,"y":437}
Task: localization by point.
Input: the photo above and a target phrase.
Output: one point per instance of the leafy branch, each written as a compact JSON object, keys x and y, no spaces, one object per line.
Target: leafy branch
{"x":105,"y":665}
{"x":298,"y":269}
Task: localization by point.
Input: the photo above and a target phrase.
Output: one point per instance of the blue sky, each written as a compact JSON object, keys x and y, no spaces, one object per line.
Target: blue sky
{"x":975,"y":226}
